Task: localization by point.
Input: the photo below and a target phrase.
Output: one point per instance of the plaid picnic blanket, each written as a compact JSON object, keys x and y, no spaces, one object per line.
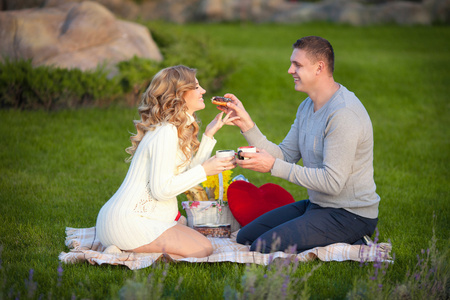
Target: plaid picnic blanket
{"x":84,"y":246}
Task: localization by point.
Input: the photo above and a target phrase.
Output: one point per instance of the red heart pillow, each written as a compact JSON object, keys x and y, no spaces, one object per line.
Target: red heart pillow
{"x":247,"y":201}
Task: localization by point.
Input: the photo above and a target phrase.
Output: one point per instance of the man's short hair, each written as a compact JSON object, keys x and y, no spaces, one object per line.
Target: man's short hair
{"x":317,"y":48}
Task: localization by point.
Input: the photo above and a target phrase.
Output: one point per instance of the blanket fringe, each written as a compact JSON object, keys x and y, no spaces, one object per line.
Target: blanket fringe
{"x":376,"y":252}
{"x":68,"y":258}
{"x":72,"y":238}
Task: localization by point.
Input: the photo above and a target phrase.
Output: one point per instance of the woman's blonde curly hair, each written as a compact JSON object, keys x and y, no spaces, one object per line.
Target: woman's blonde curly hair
{"x":163,"y":102}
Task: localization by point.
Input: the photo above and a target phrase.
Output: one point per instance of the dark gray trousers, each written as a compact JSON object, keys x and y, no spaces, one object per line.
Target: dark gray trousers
{"x":302,"y":225}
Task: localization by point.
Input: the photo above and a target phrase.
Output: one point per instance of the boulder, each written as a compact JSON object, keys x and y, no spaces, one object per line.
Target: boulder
{"x":335,"y":11}
{"x":178,"y":11}
{"x":81,"y":35}
{"x":240,"y":10}
{"x":439,"y":10}
{"x":404,"y":13}
{"x":355,"y":12}
{"x":126,"y":9}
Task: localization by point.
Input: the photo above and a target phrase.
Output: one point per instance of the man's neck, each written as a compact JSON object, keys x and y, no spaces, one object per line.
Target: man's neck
{"x":323,"y":93}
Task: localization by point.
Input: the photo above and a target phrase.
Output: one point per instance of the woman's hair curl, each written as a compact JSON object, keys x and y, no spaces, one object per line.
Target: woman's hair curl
{"x":163,"y":102}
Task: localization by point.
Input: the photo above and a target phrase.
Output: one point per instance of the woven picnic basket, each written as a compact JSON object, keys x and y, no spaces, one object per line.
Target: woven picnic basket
{"x":210,"y":212}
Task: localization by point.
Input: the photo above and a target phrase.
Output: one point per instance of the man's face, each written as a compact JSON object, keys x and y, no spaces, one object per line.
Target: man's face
{"x":303,"y":71}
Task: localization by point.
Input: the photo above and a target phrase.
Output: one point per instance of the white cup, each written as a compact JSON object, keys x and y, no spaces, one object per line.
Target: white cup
{"x":249,"y":149}
{"x":225,"y":153}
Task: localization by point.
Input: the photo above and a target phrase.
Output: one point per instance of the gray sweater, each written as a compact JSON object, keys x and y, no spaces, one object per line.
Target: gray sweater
{"x":336,"y":146}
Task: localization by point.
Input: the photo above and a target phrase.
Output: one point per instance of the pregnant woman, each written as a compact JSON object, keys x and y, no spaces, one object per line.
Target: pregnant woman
{"x":166,"y":159}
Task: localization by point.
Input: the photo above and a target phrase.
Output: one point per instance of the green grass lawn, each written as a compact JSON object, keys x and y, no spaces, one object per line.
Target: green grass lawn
{"x":58,"y":168}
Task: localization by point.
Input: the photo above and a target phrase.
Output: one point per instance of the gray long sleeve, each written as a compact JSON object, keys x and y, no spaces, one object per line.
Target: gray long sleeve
{"x":336,"y":146}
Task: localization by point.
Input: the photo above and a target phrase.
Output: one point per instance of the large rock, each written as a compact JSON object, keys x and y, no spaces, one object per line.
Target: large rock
{"x":125,"y":9}
{"x":439,"y":9}
{"x":240,"y":10}
{"x":73,"y":35}
{"x":178,"y":11}
{"x":355,"y":12}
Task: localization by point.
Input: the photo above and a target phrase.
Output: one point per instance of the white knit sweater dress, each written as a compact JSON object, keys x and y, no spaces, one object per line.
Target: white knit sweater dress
{"x":145,"y":205}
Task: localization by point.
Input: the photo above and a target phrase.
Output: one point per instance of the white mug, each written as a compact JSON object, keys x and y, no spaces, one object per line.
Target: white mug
{"x":250,"y":149}
{"x":225,"y":153}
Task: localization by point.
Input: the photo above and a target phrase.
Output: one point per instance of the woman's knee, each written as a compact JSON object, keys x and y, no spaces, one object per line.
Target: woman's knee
{"x":208,"y":249}
{"x":202,"y":250}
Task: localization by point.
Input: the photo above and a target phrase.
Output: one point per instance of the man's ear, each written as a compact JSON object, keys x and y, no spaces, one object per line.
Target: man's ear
{"x":320,"y":67}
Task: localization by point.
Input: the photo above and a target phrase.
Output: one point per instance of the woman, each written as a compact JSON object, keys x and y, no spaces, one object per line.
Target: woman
{"x":140,"y":217}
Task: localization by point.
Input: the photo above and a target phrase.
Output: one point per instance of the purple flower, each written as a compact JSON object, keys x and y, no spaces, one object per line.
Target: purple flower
{"x":60,"y":270}
{"x":31,"y":285}
{"x":30,"y":277}
{"x":60,"y":273}
{"x":377,"y":233}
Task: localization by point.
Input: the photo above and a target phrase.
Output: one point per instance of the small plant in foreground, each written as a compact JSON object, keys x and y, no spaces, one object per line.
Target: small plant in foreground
{"x":31,"y":286}
{"x":276,"y":281}
{"x":372,"y":286}
{"x":143,"y":288}
{"x":428,"y":280}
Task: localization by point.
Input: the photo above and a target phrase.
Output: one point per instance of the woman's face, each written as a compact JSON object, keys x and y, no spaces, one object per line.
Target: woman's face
{"x":194,"y":98}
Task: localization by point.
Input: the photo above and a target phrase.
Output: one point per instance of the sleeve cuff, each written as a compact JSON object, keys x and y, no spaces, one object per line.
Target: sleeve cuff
{"x":207,"y":138}
{"x":252,"y":135}
{"x":281,"y":169}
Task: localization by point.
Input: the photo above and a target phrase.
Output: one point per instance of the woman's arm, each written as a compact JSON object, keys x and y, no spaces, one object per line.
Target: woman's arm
{"x":204,"y":151}
{"x":162,"y":151}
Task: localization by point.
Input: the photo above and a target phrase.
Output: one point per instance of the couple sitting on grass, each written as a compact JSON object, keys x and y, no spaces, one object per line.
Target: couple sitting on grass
{"x":332,"y":134}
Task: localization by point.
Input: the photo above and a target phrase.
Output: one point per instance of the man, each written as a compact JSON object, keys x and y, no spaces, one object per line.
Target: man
{"x":333,"y":135}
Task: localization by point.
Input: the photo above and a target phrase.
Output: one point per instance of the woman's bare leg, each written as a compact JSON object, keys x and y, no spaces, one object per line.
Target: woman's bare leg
{"x":182,"y":221}
{"x":179,"y":241}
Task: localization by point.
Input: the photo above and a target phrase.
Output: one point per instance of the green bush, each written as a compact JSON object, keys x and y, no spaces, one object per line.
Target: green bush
{"x":23,"y":86}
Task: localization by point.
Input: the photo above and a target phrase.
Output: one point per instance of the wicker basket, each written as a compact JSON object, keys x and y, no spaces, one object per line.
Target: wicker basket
{"x":209,"y":212}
